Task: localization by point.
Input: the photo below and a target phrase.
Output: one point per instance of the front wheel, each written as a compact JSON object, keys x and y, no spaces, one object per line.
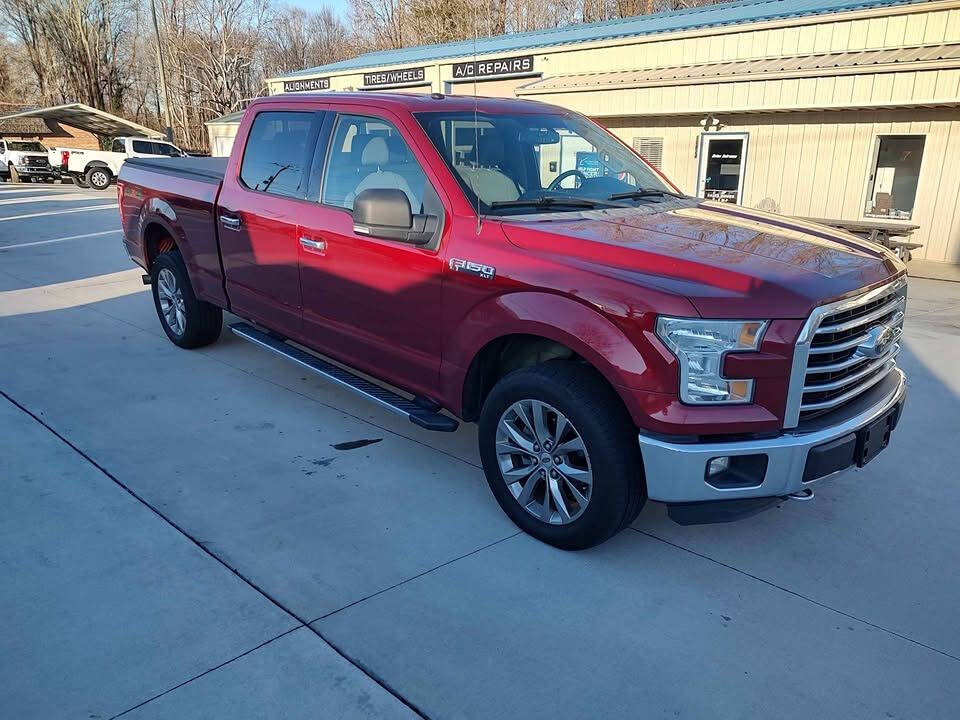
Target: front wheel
{"x":98,"y":178}
{"x":561,"y":456}
{"x":188,"y":322}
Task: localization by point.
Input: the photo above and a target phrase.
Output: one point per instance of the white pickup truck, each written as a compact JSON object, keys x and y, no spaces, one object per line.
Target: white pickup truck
{"x":98,"y":168}
{"x":25,"y":160}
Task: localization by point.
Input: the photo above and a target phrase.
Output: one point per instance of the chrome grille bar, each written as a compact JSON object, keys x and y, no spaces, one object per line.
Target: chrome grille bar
{"x":848,"y":379}
{"x":894,"y":305}
{"x":854,"y":357}
{"x":851,"y":394}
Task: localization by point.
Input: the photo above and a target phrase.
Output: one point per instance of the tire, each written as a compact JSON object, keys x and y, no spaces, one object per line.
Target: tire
{"x":617,"y":491}
{"x":201,"y":321}
{"x":79,"y":181}
{"x":14,"y":175}
{"x":98,"y":177}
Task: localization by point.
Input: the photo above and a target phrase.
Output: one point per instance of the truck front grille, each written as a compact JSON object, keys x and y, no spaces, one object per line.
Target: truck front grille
{"x":844,"y":349}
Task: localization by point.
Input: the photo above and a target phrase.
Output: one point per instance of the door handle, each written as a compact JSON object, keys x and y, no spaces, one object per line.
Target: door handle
{"x":229,"y":222}
{"x":316,"y":245}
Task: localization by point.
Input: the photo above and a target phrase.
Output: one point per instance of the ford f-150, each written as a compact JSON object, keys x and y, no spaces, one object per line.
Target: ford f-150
{"x":514,"y":264}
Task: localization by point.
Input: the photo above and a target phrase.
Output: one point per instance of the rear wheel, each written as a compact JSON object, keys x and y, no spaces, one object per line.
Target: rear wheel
{"x":560,"y":454}
{"x":188,"y":322}
{"x":98,"y":178}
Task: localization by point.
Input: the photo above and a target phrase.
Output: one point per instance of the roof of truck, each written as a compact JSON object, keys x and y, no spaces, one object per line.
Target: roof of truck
{"x":412,"y":102}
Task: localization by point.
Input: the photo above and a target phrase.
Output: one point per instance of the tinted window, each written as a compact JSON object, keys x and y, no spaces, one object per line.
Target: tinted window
{"x":142,"y":146}
{"x":368,"y":153}
{"x":117,"y":146}
{"x":275,"y":153}
{"x":164,"y":149}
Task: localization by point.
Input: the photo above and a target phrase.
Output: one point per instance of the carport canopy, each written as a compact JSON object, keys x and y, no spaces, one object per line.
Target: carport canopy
{"x":90,"y":119}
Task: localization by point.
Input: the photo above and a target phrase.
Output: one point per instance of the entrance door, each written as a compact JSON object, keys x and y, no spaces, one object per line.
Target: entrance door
{"x":723,"y":162}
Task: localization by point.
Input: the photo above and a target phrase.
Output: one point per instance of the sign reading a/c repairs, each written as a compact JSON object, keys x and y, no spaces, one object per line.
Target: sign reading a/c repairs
{"x":491,"y":68}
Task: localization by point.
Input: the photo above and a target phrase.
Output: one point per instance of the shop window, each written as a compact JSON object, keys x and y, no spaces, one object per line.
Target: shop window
{"x":650,"y":149}
{"x":895,"y":171}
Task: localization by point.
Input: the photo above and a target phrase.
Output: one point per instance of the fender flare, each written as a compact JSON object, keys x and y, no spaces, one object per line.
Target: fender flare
{"x":559,"y":318}
{"x":97,"y":163}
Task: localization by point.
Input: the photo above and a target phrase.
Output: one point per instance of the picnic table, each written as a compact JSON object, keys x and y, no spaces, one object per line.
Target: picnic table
{"x":893,"y":235}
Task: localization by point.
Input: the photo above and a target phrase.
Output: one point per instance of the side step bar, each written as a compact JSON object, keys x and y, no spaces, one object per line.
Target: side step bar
{"x":420,"y":411}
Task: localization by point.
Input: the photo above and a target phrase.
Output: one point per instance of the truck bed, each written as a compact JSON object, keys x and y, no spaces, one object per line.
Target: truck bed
{"x":182,"y":193}
{"x":203,"y":169}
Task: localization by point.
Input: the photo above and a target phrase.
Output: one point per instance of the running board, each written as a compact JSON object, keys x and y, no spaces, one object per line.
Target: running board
{"x":419,"y":411}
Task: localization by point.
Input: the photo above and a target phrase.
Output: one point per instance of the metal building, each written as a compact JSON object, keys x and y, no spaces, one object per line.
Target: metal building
{"x":846,"y":110}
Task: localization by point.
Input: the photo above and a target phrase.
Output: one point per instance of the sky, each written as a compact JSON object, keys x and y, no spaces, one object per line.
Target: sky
{"x":340,"y":7}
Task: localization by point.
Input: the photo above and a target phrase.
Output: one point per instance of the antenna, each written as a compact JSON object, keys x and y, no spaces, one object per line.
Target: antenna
{"x":476,"y":124}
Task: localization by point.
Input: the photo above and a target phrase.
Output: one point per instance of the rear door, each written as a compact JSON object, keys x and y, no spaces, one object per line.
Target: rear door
{"x":371,"y":302}
{"x":257,"y":216}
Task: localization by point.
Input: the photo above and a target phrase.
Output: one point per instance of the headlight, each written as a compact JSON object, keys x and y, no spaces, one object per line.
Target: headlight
{"x":700,"y":346}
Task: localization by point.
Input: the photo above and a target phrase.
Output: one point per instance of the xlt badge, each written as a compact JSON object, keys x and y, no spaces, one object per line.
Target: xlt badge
{"x":487,"y":272}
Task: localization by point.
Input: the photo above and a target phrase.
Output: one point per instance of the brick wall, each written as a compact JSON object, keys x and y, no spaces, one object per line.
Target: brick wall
{"x":58,"y":135}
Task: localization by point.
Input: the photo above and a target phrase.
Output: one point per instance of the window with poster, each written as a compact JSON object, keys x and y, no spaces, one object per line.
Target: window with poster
{"x":894,"y":174}
{"x":723,"y":163}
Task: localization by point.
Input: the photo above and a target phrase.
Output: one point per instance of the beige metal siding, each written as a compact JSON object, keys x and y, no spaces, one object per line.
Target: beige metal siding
{"x":816,"y":164}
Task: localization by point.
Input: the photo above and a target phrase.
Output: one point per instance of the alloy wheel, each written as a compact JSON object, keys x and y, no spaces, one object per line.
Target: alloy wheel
{"x":544,"y":462}
{"x":171,"y":301}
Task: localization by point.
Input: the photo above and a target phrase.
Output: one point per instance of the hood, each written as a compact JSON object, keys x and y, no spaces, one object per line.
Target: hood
{"x":729,"y":261}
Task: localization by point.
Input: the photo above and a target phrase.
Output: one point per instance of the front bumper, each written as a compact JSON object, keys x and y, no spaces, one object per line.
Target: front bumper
{"x":35,"y":170}
{"x":676,"y":471}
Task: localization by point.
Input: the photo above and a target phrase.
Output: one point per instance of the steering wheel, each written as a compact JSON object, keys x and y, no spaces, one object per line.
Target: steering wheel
{"x":555,"y":185}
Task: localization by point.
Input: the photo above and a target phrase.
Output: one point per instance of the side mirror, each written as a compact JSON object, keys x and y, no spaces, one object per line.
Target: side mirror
{"x":385,"y":213}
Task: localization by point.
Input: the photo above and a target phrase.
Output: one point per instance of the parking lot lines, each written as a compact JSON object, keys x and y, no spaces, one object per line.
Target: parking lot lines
{"x":61,"y":239}
{"x":87,"y":208}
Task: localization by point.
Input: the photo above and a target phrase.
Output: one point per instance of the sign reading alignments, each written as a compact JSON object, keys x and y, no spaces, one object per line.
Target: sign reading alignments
{"x":492,"y":68}
{"x":394,"y":77}
{"x":306,"y":85}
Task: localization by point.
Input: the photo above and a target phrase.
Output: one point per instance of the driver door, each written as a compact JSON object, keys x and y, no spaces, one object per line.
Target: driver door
{"x":370,"y":302}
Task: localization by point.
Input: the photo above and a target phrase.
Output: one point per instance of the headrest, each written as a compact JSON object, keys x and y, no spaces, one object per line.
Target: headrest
{"x":376,"y":152}
{"x":489,"y":150}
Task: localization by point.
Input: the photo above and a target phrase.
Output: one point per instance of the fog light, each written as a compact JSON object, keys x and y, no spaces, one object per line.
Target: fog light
{"x":718,"y":465}
{"x":736,"y":471}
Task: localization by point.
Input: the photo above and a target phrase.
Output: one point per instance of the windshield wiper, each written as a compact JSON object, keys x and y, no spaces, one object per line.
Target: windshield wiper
{"x":643,"y":193}
{"x":546,"y":201}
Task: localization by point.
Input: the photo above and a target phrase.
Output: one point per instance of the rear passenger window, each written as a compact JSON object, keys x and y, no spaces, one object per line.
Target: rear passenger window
{"x":117,"y":146}
{"x":140,"y":146}
{"x":276,"y":150}
{"x":368,"y":153}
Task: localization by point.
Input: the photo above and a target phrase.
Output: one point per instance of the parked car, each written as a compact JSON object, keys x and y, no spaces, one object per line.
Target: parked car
{"x":99,"y":168}
{"x":24,"y":161}
{"x":516,"y":265}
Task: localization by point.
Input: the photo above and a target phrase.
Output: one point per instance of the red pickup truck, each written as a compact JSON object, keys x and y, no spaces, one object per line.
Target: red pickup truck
{"x":514,"y":264}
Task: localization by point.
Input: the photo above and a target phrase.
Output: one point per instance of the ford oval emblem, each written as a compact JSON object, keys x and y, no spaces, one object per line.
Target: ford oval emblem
{"x":879,"y":339}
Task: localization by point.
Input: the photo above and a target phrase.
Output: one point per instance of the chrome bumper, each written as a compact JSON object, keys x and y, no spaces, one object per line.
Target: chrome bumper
{"x":676,"y":472}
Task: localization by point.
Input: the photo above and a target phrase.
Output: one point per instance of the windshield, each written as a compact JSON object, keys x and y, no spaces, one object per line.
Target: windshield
{"x":512,"y":164}
{"x":25,"y":146}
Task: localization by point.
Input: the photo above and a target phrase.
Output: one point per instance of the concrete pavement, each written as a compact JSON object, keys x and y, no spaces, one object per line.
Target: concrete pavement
{"x":413,"y":583}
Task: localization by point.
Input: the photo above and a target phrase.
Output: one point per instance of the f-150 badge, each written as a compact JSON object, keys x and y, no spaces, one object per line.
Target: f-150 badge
{"x":487,"y":272}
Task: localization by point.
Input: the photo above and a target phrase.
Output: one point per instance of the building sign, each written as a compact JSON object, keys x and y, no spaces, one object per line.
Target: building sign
{"x":306,"y":85}
{"x":394,"y":77}
{"x":492,"y":68}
